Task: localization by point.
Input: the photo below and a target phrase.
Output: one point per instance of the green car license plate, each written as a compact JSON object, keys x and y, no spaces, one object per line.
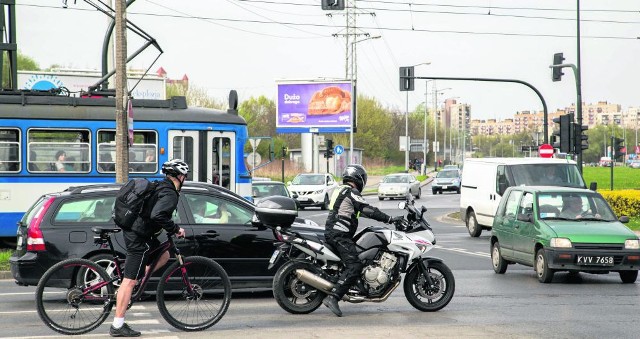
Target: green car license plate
{"x":594,"y":260}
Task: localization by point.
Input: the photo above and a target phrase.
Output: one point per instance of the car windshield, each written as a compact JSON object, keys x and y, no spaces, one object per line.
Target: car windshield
{"x":396,"y":179}
{"x":547,"y":175}
{"x":266,"y":190}
{"x":308,"y":180}
{"x":578,"y":206}
{"x":448,"y":174}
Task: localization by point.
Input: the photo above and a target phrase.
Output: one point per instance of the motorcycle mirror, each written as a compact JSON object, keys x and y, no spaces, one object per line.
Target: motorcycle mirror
{"x":423,"y":209}
{"x":402,"y":205}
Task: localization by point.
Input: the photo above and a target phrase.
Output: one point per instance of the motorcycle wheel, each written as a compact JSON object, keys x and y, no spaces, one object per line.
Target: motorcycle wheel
{"x":293,"y":295}
{"x":427,"y":299}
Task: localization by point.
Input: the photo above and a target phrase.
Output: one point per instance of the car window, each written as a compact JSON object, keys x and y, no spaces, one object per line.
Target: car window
{"x":213,"y":210}
{"x":526,"y":204}
{"x":574,"y":205}
{"x":95,"y":209}
{"x":447,"y":174}
{"x":266,"y":190}
{"x":511,"y":207}
{"x":308,"y":180}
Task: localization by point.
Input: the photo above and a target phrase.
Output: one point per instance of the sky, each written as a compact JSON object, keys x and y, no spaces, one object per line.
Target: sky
{"x":248,"y":45}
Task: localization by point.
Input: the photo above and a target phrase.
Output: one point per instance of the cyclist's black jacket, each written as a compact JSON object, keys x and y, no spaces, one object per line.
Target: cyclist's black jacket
{"x":346,"y":205}
{"x":158,"y":210}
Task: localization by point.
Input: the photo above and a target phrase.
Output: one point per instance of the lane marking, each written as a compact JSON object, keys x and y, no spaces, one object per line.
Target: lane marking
{"x":463,"y":251}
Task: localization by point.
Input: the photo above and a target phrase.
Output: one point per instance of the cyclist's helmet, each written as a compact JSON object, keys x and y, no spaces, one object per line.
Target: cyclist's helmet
{"x":355,"y":174}
{"x":175,"y":167}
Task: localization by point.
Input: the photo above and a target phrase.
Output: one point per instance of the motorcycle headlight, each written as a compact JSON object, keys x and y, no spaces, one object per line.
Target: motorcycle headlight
{"x":421,"y":247}
{"x":561,"y":243}
{"x":632,"y":244}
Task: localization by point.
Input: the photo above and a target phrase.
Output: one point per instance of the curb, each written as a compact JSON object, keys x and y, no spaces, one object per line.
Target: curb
{"x":6,"y":275}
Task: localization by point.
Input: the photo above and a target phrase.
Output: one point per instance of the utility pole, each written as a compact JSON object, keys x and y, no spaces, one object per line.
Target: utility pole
{"x":122,"y":131}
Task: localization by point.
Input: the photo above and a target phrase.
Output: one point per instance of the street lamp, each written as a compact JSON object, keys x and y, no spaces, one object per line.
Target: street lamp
{"x":435,"y":124}
{"x":406,"y":126}
{"x":354,"y":76}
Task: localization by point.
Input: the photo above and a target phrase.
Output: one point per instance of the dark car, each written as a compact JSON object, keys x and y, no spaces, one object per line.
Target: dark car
{"x":217,"y":224}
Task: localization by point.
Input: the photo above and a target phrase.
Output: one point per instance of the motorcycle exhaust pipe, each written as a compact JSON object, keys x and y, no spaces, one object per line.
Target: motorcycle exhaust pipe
{"x":314,"y":280}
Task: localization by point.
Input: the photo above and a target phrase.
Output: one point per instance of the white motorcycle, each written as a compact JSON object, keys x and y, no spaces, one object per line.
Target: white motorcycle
{"x":313,"y":267}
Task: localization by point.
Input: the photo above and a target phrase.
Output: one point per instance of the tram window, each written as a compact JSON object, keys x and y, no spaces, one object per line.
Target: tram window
{"x":183,"y":149}
{"x":143,"y":155}
{"x":58,"y":151}
{"x":9,"y":150}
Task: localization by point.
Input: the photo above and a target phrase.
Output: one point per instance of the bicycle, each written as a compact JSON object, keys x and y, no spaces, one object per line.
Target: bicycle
{"x":76,"y":296}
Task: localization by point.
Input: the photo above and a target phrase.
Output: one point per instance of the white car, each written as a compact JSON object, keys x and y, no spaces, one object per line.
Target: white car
{"x":398,"y":186}
{"x":313,"y":189}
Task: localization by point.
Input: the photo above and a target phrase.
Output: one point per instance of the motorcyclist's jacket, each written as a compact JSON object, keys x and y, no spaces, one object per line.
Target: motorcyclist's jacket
{"x":346,"y":206}
{"x":160,"y":206}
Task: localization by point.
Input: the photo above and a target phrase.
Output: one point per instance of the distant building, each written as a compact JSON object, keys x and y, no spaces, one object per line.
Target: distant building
{"x":184,"y":81}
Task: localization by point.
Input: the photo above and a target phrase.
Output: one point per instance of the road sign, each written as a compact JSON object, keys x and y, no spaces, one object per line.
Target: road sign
{"x":339,"y":149}
{"x":254,"y":159}
{"x":545,"y":151}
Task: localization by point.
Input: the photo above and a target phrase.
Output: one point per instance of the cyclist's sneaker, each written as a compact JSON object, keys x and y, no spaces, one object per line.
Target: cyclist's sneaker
{"x":124,"y":331}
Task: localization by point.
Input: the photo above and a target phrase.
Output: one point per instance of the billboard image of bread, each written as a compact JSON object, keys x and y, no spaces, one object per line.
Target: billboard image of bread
{"x":314,"y":105}
{"x":329,"y":100}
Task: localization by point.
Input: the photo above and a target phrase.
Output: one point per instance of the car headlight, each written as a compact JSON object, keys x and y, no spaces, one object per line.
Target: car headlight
{"x":632,"y":244}
{"x":560,"y":243}
{"x":318,"y":192}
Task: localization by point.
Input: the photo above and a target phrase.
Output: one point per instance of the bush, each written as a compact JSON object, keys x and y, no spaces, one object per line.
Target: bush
{"x":623,"y":202}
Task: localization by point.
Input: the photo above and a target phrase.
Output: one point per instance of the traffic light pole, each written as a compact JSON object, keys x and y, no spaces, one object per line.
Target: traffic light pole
{"x":544,"y":103}
{"x":613,"y":160}
{"x":576,"y":73}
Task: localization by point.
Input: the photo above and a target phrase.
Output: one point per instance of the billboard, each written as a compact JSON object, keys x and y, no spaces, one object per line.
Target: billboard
{"x":318,"y":107}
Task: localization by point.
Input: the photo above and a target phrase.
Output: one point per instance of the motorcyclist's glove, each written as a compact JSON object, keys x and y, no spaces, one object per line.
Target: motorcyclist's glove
{"x":395,"y":220}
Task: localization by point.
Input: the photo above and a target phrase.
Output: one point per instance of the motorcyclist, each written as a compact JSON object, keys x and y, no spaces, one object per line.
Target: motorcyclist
{"x":346,"y":206}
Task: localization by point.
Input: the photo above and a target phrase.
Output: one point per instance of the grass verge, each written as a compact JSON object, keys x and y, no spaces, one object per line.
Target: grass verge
{"x":4,"y":259}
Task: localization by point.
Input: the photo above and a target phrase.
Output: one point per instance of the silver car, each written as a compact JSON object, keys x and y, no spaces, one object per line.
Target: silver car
{"x":446,"y":180}
{"x":398,"y":186}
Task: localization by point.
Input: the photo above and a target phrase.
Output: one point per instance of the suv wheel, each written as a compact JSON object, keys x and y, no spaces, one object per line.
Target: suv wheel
{"x":325,"y":203}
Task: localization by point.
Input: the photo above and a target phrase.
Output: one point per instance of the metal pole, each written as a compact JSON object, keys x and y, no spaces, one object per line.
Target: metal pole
{"x":613,"y":162}
{"x":435,"y":126}
{"x":122,"y":130}
{"x":424,"y":149}
{"x":406,"y":133}
{"x":579,"y":86}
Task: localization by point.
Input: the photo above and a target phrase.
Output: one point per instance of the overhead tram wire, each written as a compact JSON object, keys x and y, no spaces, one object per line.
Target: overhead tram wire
{"x":396,"y":29}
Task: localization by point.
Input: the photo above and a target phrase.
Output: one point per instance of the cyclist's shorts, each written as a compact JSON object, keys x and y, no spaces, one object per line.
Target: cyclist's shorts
{"x":139,"y":251}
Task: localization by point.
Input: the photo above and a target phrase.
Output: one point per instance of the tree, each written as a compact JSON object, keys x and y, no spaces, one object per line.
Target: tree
{"x":25,"y":63}
{"x":196,"y":96}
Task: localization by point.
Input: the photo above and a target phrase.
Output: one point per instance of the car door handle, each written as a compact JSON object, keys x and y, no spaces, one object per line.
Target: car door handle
{"x":210,"y":234}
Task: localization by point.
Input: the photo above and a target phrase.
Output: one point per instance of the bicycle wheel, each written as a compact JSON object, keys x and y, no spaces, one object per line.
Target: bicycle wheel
{"x":71,"y":305}
{"x":194,"y":296}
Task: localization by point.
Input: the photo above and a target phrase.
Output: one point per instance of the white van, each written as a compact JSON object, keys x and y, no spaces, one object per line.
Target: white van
{"x":484,"y":180}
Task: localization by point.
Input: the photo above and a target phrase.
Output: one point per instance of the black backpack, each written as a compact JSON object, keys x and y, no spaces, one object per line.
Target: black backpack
{"x":130,"y":201}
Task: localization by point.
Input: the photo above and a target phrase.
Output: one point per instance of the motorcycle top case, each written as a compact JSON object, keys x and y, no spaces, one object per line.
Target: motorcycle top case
{"x":276,"y":211}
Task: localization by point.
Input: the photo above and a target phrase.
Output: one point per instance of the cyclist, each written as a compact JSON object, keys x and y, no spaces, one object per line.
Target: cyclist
{"x":346,"y":205}
{"x":142,"y":239}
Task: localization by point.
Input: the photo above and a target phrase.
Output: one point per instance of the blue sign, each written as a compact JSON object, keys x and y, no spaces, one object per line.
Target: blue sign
{"x":339,"y":149}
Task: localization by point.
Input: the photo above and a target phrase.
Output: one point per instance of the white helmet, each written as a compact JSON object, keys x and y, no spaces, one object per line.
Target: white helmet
{"x":175,"y":167}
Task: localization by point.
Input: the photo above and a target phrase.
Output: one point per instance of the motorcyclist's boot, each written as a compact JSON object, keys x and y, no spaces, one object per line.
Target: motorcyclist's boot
{"x":332,"y":303}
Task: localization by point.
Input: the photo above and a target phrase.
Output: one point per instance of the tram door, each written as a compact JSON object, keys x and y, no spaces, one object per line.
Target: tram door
{"x":221,"y":165}
{"x":184,"y":145}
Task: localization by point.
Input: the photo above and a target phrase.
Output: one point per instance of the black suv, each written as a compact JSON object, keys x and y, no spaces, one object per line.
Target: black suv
{"x":217,"y":224}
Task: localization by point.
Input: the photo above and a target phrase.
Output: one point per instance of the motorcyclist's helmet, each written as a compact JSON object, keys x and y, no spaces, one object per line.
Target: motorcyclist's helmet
{"x":175,"y":167}
{"x":356,"y":174}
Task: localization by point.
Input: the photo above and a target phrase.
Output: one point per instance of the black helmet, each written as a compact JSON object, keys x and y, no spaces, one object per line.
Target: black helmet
{"x":355,"y":174}
{"x":175,"y":167}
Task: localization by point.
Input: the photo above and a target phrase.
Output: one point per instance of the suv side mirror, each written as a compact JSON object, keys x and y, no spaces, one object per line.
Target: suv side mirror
{"x":624,"y":219}
{"x":288,"y":183}
{"x":524,"y":217}
{"x":593,"y":186}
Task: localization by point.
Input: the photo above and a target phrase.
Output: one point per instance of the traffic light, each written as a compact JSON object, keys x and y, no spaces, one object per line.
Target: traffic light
{"x":332,"y":5}
{"x":407,"y":82}
{"x":581,"y":139}
{"x":618,"y":146}
{"x":284,"y":152}
{"x":557,"y":74}
{"x":329,"y":152}
{"x":562,"y":134}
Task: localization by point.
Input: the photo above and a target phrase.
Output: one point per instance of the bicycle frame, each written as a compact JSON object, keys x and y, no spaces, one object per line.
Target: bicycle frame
{"x":156,"y":254}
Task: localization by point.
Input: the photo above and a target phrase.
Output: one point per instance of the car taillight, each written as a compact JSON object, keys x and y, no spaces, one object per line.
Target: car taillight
{"x":35,"y":240}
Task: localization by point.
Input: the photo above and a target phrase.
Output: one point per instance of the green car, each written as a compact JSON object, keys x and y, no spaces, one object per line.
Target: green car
{"x":562,"y":229}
